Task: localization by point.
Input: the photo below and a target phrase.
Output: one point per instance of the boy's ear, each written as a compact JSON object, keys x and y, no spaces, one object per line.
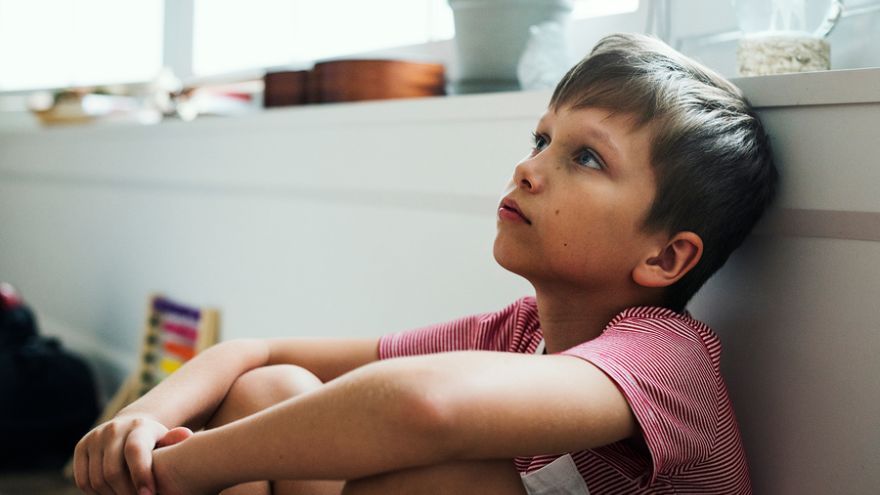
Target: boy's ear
{"x":680,"y":254}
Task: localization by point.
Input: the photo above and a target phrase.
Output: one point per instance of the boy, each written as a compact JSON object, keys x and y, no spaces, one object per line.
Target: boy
{"x":647,"y":171}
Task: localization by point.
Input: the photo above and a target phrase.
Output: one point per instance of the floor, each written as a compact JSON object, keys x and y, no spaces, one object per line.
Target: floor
{"x":36,"y":483}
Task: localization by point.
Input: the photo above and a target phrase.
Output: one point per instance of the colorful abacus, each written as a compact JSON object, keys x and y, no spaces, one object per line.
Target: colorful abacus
{"x":174,"y":334}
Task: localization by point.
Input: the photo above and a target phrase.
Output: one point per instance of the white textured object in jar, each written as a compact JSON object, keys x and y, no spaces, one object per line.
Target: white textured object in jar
{"x":766,"y":55}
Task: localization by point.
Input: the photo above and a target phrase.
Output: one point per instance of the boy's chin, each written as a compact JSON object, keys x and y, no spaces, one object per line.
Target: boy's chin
{"x":509,"y":263}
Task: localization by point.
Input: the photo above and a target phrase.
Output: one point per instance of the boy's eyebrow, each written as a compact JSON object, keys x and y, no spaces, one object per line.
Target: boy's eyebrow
{"x":604,"y":138}
{"x":610,"y":153}
{"x":593,"y":132}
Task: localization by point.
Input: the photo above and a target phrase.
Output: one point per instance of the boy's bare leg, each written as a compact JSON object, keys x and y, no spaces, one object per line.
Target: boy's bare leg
{"x":493,"y":477}
{"x":255,"y":391}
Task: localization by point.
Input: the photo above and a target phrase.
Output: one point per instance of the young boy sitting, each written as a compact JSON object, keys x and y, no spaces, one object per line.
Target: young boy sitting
{"x":647,"y":170}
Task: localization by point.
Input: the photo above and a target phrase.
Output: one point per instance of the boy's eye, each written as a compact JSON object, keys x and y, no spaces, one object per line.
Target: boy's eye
{"x":539,"y":142}
{"x":589,"y":158}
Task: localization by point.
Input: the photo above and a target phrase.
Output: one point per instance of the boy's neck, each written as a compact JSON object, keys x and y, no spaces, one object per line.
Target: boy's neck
{"x":568,"y":320}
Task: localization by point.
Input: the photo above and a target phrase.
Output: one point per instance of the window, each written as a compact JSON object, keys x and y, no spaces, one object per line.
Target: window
{"x":599,"y":8}
{"x":53,"y":43}
{"x":231,"y":35}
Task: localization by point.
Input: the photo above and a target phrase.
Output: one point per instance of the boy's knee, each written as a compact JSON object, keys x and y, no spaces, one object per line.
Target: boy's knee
{"x":269,"y":385}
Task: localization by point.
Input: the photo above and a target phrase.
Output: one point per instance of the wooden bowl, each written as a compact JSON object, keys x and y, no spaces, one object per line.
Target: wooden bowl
{"x":356,"y":80}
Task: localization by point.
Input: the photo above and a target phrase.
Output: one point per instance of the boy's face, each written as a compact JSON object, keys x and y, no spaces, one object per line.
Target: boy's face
{"x":582,"y":194}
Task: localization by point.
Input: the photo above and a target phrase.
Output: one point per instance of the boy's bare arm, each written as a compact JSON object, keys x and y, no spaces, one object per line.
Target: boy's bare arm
{"x":408,"y":412}
{"x":325,"y":358}
{"x":189,"y":397}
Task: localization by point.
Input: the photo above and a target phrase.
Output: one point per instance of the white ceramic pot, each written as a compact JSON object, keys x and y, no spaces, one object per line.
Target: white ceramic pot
{"x":490,"y":36}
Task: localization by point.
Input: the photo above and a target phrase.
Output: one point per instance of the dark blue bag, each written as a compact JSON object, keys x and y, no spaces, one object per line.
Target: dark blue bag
{"x":48,"y":397}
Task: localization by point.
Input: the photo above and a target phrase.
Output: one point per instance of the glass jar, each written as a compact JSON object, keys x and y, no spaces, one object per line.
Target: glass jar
{"x":781,"y":36}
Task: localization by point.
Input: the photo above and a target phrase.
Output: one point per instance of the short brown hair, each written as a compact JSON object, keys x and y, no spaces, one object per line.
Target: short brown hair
{"x":711,"y":155}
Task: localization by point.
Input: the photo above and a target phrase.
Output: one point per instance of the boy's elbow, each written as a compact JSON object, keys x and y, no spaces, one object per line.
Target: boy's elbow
{"x":421,"y":407}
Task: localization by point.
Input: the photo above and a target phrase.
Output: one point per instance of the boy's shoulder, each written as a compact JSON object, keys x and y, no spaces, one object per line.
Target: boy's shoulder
{"x":655,"y":322}
{"x":655,"y":339}
{"x":636,"y":327}
{"x":641,"y":319}
{"x":658,"y":318}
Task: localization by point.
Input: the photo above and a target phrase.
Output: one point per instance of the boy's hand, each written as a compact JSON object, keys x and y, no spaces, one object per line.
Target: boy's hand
{"x":116,"y":457}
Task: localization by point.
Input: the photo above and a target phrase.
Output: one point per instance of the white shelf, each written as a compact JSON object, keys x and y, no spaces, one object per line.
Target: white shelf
{"x":837,"y":87}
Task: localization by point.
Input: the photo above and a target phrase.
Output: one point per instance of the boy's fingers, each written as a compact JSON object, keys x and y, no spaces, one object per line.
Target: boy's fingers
{"x":116,"y":473}
{"x":96,"y":475}
{"x":174,"y":435}
{"x":115,"y":469}
{"x":81,"y":467}
{"x":138,"y":451}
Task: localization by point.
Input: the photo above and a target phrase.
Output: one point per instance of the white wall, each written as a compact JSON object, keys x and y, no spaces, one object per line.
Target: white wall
{"x":366,"y":218}
{"x":796,"y":305}
{"x":340,"y":220}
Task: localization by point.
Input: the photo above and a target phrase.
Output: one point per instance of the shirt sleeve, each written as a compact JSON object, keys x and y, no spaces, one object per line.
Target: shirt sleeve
{"x":668,"y":379}
{"x":487,"y":332}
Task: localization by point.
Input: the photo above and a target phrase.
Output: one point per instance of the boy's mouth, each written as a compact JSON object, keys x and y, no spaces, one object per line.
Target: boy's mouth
{"x":510,"y":205}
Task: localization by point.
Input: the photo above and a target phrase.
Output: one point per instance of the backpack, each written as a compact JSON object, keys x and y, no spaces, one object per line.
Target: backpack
{"x":48,"y":396}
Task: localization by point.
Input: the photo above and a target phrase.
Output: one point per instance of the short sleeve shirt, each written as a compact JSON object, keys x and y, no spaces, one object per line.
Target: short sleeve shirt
{"x":666,"y":364}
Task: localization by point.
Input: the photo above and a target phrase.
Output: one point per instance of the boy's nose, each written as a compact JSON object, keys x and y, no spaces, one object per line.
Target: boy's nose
{"x":527,"y":175}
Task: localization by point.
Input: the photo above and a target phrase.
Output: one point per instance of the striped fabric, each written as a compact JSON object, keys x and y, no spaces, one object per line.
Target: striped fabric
{"x":668,"y":367}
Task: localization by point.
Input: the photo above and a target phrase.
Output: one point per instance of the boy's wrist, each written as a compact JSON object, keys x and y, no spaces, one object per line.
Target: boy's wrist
{"x":187,"y":468}
{"x":165,"y":471}
{"x":171,"y":468}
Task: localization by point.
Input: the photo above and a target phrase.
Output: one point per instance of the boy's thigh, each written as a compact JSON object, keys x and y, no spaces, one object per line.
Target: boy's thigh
{"x":456,"y":477}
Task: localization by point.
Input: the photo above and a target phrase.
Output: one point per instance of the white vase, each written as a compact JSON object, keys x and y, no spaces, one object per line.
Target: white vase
{"x":490,"y":36}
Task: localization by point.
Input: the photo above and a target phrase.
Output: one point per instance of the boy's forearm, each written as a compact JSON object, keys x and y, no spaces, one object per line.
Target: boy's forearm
{"x":190,"y":395}
{"x":371,"y":420}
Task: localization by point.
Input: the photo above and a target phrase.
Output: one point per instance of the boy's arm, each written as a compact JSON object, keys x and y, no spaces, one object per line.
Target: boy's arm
{"x":325,"y":358}
{"x":191,"y":395}
{"x":409,"y":412}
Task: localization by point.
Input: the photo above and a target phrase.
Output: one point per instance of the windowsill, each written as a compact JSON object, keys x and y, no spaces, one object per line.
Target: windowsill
{"x":835,"y":87}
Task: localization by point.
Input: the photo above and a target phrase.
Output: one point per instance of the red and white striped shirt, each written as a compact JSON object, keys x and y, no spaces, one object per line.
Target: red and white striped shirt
{"x":666,"y":364}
